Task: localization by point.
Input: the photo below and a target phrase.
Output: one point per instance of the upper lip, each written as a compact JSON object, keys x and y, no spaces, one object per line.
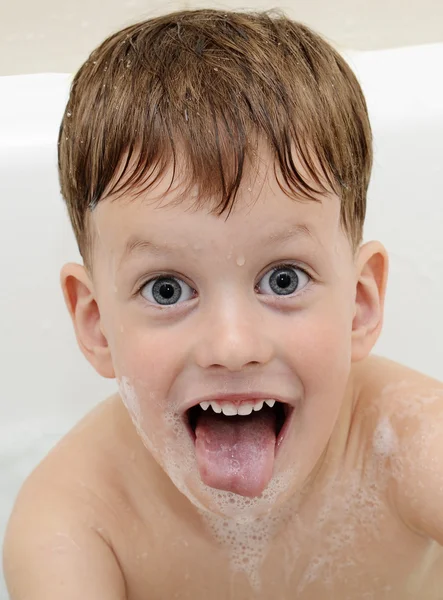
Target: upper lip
{"x":239,"y":399}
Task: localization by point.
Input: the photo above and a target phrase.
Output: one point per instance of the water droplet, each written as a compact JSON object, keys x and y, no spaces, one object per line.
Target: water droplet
{"x":241,"y":261}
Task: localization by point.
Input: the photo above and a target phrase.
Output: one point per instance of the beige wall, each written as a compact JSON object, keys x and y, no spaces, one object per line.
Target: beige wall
{"x":57,"y":35}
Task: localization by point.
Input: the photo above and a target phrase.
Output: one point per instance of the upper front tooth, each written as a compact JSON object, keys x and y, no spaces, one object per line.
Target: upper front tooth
{"x":229,"y":410}
{"x":245,"y":409}
{"x":216,"y":407}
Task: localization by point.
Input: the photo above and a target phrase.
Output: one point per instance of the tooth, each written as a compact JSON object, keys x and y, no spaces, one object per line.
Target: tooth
{"x":245,"y":409}
{"x":216,"y":407}
{"x":270,"y":403}
{"x":229,"y":410}
{"x":259,"y":405}
{"x":204,"y":405}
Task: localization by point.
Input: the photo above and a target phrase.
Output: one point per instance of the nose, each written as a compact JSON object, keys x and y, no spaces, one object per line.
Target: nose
{"x":232,"y":337}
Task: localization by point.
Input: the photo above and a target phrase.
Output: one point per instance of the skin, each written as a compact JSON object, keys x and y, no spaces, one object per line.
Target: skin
{"x":131,"y":516}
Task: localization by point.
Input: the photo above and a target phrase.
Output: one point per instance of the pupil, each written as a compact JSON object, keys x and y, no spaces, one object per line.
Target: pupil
{"x":166,"y":290}
{"x":284,"y":281}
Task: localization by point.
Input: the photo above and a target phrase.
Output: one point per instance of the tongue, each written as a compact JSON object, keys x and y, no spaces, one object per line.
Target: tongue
{"x":236,"y":454}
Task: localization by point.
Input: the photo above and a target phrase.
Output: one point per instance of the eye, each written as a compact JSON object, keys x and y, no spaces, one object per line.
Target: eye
{"x":166,"y":291}
{"x":283,"y":280}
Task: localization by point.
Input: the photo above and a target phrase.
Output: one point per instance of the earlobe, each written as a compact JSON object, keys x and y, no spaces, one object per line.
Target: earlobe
{"x":372,"y":274}
{"x":78,"y":292}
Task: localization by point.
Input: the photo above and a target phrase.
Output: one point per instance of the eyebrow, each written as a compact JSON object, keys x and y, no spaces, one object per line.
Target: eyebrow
{"x":135,"y":245}
{"x":291,"y":231}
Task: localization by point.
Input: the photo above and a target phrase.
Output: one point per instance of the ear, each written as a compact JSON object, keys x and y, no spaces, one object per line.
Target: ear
{"x":372,"y":272}
{"x":79,"y":297}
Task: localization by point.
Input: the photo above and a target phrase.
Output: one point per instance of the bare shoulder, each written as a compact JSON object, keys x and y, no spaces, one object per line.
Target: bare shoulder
{"x":408,"y":416}
{"x":383,"y":374}
{"x":81,"y":475}
{"x":395,"y":391}
{"x":57,"y":542}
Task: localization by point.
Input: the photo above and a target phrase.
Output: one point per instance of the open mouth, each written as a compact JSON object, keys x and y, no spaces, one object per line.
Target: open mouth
{"x":279,"y":413}
{"x":237,"y":441}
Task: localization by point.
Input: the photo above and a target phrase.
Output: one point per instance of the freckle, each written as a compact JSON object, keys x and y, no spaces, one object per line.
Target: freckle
{"x":241,"y":261}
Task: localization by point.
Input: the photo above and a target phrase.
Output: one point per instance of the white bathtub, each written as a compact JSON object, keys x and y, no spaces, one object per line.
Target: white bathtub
{"x":46,"y":383}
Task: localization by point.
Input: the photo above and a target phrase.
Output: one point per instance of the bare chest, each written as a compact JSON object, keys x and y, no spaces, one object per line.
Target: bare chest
{"x":357,"y":551}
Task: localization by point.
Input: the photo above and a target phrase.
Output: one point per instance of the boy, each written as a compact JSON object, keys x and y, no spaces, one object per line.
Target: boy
{"x":215,"y":168}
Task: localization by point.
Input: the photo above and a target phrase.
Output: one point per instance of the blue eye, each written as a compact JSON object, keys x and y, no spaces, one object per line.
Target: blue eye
{"x":166,"y":291}
{"x":283,"y":280}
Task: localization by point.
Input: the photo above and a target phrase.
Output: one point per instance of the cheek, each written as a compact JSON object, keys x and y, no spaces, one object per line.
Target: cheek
{"x":145,"y":354}
{"x":320,"y":347}
{"x":142,"y":359}
{"x":323,"y":329}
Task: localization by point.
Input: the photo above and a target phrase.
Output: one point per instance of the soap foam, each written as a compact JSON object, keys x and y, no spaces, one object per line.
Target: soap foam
{"x":245,"y":536}
{"x":351,"y":509}
{"x":385,"y":440}
{"x":242,"y":526}
{"x":411,"y":406}
{"x":130,"y":400}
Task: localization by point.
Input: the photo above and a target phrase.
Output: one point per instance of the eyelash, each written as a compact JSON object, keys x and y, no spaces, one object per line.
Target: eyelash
{"x":273,"y":268}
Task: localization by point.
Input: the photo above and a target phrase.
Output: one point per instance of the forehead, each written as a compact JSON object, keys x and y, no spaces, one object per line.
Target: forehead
{"x":175,"y":212}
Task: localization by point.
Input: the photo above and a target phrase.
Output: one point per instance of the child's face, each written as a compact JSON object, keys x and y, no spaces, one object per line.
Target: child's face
{"x":228,"y":320}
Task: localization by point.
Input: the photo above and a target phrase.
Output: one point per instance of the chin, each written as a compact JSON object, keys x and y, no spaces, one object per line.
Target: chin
{"x":213,"y":503}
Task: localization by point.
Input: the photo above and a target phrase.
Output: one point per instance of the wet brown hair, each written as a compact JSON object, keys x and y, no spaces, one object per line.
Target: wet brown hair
{"x":208,"y":82}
